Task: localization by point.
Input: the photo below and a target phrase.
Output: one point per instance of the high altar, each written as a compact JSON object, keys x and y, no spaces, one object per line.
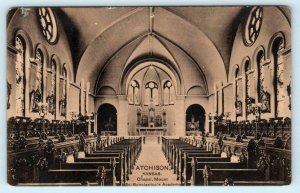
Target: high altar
{"x":151,"y":120}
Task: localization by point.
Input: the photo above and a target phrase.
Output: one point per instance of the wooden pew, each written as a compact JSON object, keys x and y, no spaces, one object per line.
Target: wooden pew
{"x":80,"y":175}
{"x":110,"y":157}
{"x":205,"y":176}
{"x":190,"y":162}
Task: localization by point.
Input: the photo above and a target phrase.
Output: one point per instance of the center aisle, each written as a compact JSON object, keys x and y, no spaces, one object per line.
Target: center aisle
{"x":152,"y":168}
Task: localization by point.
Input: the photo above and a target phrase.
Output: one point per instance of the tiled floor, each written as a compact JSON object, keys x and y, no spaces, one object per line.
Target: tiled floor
{"x":152,"y":168}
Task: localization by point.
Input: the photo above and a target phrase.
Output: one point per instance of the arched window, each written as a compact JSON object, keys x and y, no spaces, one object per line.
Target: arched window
{"x":249,"y":85}
{"x":20,"y":76}
{"x":63,"y":93}
{"x":281,"y":78}
{"x":260,"y":74}
{"x":151,"y":93}
{"x":36,"y":81}
{"x":133,"y":93}
{"x":264,"y":82}
{"x":51,"y":96}
{"x":238,"y":92}
{"x":168,"y":93}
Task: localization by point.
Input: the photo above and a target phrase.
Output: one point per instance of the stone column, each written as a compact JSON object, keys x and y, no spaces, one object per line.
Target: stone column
{"x":206,"y":126}
{"x":87,"y":106}
{"x":179,"y":116}
{"x":122,"y":116}
{"x":82,"y":97}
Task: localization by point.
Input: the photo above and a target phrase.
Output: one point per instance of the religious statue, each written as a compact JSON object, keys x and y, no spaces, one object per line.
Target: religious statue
{"x":249,"y":102}
{"x":238,"y":108}
{"x":265,"y":102}
{"x":51,"y":102}
{"x":62,"y":104}
{"x":151,"y":115}
{"x":108,"y":125}
{"x":144,"y":121}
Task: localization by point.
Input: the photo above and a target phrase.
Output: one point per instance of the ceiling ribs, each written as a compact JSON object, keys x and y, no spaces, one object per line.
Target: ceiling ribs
{"x":151,"y":20}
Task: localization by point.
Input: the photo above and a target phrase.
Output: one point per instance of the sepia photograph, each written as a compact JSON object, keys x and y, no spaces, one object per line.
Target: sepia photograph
{"x":149,"y":96}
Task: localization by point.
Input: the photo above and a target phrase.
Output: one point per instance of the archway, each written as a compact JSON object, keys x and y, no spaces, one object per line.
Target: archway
{"x":107,"y":120}
{"x":195,"y":119}
{"x":280,"y":77}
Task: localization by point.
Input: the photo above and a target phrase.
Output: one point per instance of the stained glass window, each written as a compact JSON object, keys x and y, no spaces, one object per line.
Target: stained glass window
{"x":168,"y":93}
{"x":249,"y":87}
{"x":36,"y":91}
{"x":51,"y":98}
{"x":151,"y":93}
{"x":48,"y":24}
{"x":253,"y":25}
{"x":259,"y":59}
{"x":63,"y":89}
{"x":247,"y":76}
{"x":20,"y":76}
{"x":238,"y":92}
{"x":133,"y":93}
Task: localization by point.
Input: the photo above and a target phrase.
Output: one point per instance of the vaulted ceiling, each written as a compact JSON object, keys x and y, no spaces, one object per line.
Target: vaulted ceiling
{"x":201,"y":35}
{"x":217,"y":23}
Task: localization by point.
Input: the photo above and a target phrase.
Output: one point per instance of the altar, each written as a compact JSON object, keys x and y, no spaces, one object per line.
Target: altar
{"x":151,"y":120}
{"x":151,"y":130}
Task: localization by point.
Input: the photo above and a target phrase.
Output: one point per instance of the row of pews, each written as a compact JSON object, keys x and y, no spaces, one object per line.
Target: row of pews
{"x":87,"y":161}
{"x":110,"y":165}
{"x":197,"y":163}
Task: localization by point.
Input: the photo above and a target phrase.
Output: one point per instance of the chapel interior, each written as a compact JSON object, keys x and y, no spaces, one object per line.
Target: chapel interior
{"x":95,"y":92}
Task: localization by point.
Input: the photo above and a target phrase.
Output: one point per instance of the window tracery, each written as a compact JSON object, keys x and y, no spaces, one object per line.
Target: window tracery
{"x":168,"y":93}
{"x":48,"y":24}
{"x":151,"y":93}
{"x":134,"y":93}
{"x":253,"y":25}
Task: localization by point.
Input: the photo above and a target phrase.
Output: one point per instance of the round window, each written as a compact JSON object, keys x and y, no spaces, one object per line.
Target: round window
{"x":48,"y":24}
{"x":253,"y":25}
